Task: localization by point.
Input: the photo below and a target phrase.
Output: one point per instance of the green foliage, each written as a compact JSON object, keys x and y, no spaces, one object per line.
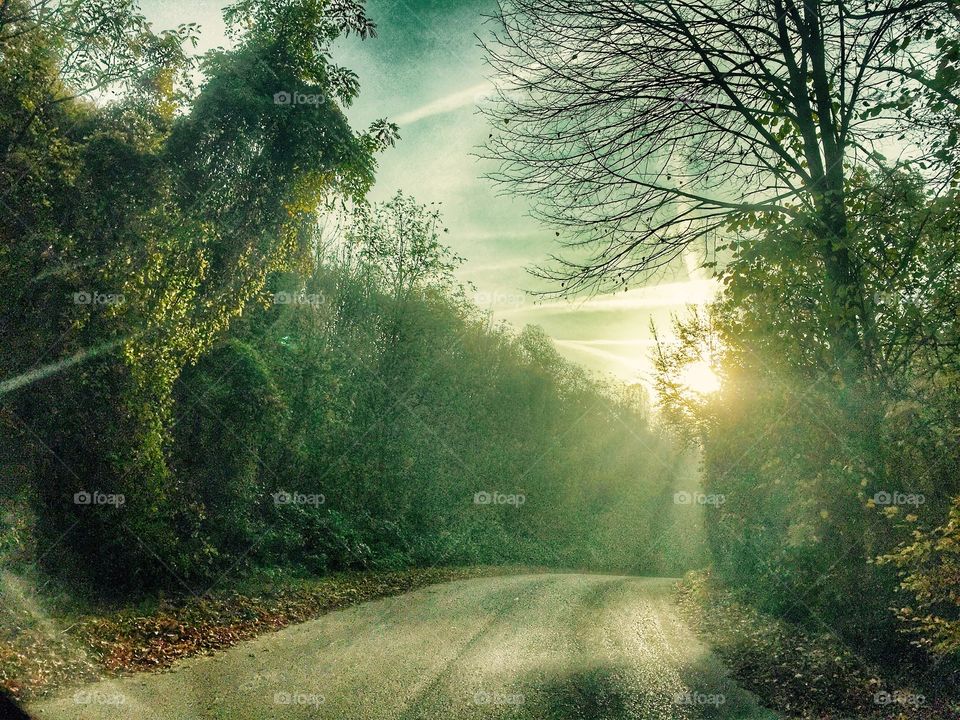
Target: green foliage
{"x":398,"y":242}
{"x":930,"y":567}
{"x":134,"y":231}
{"x":229,"y":424}
{"x":403,"y":404}
{"x":806,"y":460}
{"x":146,"y":362}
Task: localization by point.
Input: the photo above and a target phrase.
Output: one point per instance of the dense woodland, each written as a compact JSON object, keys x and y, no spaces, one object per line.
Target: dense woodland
{"x":245,"y":365}
{"x":202,"y":313}
{"x":842,"y":500}
{"x":807,"y":153}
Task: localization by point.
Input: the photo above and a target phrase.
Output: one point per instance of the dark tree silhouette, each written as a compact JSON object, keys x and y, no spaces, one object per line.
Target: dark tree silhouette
{"x":644,"y":127}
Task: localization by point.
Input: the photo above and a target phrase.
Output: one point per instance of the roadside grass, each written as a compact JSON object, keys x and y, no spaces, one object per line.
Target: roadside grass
{"x":52,"y":641}
{"x":796,"y":673}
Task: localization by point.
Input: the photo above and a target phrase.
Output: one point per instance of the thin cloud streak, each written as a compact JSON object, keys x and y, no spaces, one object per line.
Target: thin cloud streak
{"x":448,"y":103}
{"x":629,"y":363}
{"x":646,"y":342}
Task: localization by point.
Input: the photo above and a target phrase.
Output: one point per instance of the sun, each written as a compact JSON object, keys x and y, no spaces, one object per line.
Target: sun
{"x":700,"y":378}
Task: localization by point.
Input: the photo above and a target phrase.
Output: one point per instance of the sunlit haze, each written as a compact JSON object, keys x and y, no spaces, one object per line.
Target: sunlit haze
{"x":425,"y":72}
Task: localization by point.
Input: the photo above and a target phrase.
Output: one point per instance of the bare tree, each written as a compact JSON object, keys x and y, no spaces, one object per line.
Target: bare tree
{"x":643,"y":127}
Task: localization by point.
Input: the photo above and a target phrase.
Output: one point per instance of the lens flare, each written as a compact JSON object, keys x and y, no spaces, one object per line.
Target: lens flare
{"x":699,"y":377}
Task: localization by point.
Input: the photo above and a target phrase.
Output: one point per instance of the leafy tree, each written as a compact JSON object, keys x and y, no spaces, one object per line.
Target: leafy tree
{"x":399,"y":241}
{"x":405,"y":404}
{"x":175,"y":209}
{"x":805,"y":482}
{"x":644,"y":129}
{"x":930,"y":569}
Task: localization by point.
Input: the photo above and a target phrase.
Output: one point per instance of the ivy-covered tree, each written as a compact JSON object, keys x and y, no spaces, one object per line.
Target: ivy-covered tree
{"x":140,"y":219}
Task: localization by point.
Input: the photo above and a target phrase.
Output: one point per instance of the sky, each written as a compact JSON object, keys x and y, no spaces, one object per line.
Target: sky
{"x":425,"y":72}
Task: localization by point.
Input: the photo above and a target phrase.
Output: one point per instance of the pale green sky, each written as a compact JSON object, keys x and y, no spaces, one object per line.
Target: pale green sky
{"x":425,"y":72}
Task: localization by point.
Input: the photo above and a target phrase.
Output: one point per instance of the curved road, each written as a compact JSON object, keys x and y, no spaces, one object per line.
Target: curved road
{"x":544,"y":647}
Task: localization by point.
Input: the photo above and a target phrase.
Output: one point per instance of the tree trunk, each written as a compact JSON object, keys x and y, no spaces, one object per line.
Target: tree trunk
{"x":842,"y":283}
